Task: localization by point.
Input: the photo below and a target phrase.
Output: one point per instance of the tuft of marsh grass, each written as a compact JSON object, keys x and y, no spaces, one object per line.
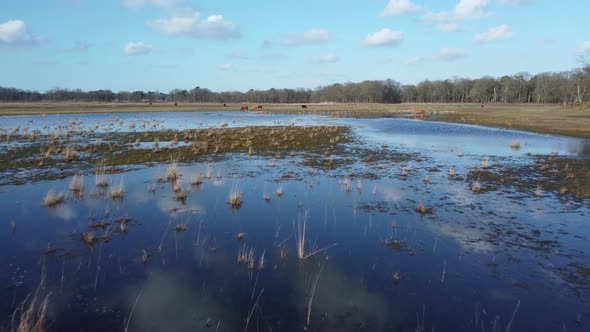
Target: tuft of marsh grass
{"x":235,"y":198}
{"x":422,"y":209}
{"x":77,"y":185}
{"x":359,"y":185}
{"x":347,"y":185}
{"x":515,"y":145}
{"x":196,"y":180}
{"x":145,"y":257}
{"x":88,"y":238}
{"x":172,"y":171}
{"x":100,"y":177}
{"x":246,"y":256}
{"x":300,"y":239}
{"x":117,"y":192}
{"x":69,"y":154}
{"x":452,"y":172}
{"x":123,"y":227}
{"x":180,"y":195}
{"x":30,"y":315}
{"x":476,"y":187}
{"x":53,"y":199}
{"x":538,"y":191}
{"x":485,"y":163}
{"x":405,"y":171}
{"x":279,"y":191}
{"x":176,"y":187}
{"x":261,"y":262}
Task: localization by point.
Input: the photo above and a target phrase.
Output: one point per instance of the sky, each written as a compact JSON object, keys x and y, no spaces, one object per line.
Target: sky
{"x":223,"y":45}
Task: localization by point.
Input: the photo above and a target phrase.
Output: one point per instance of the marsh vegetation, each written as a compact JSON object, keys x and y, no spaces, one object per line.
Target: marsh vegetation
{"x":364,"y":224}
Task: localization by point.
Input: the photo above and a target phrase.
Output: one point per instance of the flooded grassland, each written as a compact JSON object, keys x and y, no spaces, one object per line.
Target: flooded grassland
{"x":245,"y":222}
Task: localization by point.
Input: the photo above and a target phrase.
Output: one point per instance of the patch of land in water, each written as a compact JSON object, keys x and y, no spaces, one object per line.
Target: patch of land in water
{"x":540,"y":118}
{"x":46,"y":157}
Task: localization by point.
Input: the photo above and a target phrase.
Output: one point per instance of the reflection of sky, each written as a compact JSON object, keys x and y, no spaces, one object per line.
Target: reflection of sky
{"x":447,"y":139}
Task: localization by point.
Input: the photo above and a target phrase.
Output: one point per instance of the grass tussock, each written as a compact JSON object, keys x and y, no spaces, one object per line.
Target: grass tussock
{"x":539,"y":191}
{"x":515,"y":145}
{"x":476,"y":187}
{"x":31,"y":314}
{"x":347,"y":185}
{"x":88,"y":238}
{"x":452,"y":172}
{"x":118,"y":191}
{"x":77,"y":185}
{"x":180,"y":194}
{"x":53,"y":199}
{"x":235,"y":198}
{"x":196,"y":180}
{"x":422,"y":209}
{"x":172,"y":171}
{"x":100,"y":177}
{"x":246,"y":256}
{"x":300,"y":233}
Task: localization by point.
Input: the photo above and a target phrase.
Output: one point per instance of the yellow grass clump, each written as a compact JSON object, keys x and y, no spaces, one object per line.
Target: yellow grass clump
{"x":53,"y":199}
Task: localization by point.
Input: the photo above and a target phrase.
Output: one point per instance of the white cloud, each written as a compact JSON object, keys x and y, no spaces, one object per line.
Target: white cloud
{"x":447,"y":27}
{"x":192,"y":25}
{"x":328,"y":58}
{"x":449,"y":54}
{"x":15,"y":32}
{"x":500,"y":32}
{"x":137,"y":4}
{"x":413,"y":61}
{"x":226,"y":66}
{"x":383,"y":37}
{"x":585,"y":48}
{"x":137,"y":48}
{"x":471,"y":9}
{"x":399,"y":7}
{"x":464,"y":10}
{"x":312,"y":36}
{"x":512,"y":3}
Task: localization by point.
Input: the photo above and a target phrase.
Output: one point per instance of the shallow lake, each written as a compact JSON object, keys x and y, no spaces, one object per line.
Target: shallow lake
{"x":507,"y":258}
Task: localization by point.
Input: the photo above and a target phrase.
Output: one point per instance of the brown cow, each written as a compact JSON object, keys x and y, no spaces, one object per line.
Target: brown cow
{"x":259,"y":107}
{"x":244,"y":108}
{"x":419,"y":114}
{"x":303,"y":106}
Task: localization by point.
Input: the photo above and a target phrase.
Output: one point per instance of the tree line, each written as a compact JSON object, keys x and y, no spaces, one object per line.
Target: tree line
{"x":553,"y":87}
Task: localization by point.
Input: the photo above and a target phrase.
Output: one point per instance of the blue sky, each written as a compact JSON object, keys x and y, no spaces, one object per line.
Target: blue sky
{"x":240,"y":45}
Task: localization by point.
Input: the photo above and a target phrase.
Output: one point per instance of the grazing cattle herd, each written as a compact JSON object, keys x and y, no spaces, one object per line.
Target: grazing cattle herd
{"x":244,"y":107}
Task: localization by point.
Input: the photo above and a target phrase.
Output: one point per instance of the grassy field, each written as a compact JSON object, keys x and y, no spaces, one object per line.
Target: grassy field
{"x":541,"y":118}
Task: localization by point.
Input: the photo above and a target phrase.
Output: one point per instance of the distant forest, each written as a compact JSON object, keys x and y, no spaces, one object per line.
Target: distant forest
{"x":556,"y":87}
